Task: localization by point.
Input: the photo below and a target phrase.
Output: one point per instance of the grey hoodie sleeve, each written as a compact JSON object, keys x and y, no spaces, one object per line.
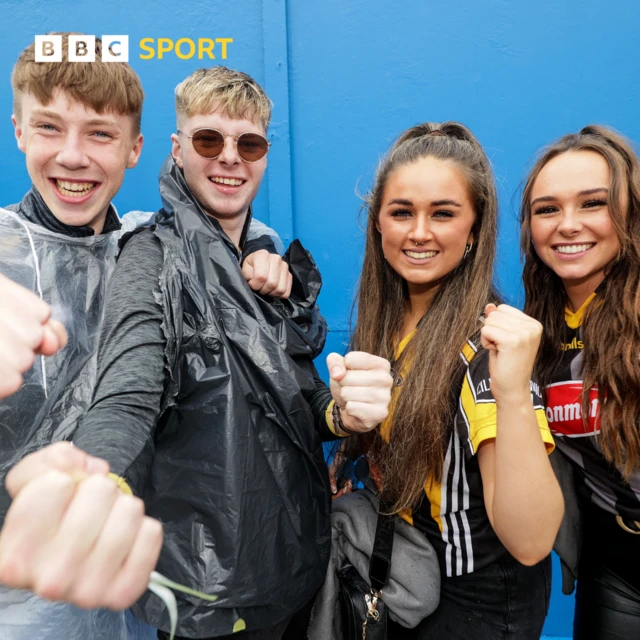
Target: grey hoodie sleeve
{"x":120,"y":422}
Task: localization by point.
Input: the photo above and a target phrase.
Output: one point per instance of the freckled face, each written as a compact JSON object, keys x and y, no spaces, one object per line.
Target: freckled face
{"x":571,"y":227}
{"x":425,"y":221}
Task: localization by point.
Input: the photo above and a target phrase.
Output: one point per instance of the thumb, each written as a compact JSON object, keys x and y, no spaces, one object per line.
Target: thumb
{"x":247,"y":268}
{"x":54,"y":338}
{"x":337,"y":367}
{"x":60,"y":456}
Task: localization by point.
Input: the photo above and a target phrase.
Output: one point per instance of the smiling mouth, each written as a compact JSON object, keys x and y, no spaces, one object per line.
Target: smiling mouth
{"x":420,"y":255}
{"x":228,"y":182}
{"x":74,"y":189}
{"x":573,"y":248}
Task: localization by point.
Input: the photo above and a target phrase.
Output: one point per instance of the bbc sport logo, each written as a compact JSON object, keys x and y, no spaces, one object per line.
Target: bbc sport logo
{"x":82,"y":48}
{"x":115,"y":48}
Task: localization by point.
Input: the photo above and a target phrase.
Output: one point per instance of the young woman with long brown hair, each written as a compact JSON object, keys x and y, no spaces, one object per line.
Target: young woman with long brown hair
{"x":463,"y":453}
{"x":581,"y":240}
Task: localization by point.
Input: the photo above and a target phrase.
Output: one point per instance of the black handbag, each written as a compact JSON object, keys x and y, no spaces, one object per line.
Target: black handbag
{"x":363,"y":611}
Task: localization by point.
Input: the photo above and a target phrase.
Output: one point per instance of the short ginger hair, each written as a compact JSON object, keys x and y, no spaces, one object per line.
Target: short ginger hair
{"x":103,"y":86}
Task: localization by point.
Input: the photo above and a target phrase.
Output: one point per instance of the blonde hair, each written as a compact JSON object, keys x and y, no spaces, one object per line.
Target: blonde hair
{"x":233,"y":94}
{"x":103,"y":86}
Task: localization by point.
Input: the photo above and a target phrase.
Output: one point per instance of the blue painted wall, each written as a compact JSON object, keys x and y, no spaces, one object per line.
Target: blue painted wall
{"x":345,"y":79}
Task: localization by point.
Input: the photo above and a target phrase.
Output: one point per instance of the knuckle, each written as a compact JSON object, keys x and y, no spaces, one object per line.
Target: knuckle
{"x":11,"y":569}
{"x":133,"y":506}
{"x":123,"y":597}
{"x":155,"y":530}
{"x":88,"y":595}
{"x":102,"y":486}
{"x":50,"y":585}
{"x":58,"y":481}
{"x":63,"y":454}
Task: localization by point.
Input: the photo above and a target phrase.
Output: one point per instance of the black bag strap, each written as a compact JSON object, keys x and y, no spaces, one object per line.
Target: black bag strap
{"x":380,"y":562}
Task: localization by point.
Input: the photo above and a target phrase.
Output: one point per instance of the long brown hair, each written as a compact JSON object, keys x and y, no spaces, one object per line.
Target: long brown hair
{"x":611,"y":327}
{"x":424,"y":411}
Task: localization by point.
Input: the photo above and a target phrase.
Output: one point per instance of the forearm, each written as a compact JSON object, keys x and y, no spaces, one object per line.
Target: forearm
{"x":119,"y":424}
{"x":526,"y":504}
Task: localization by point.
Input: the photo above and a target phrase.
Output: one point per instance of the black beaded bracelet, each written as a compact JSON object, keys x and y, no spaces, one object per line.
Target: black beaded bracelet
{"x":338,"y":425}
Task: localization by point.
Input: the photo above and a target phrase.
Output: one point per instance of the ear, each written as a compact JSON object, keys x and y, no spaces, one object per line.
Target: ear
{"x":470,"y":239}
{"x":378,"y":226}
{"x":134,"y":154}
{"x":176,"y":150}
{"x":19,"y":133}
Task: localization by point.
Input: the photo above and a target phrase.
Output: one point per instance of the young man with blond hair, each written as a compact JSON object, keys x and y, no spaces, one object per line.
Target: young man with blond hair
{"x":207,"y":402}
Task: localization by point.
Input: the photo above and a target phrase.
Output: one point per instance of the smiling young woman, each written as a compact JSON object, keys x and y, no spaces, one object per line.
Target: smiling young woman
{"x":463,"y":453}
{"x":581,"y":240}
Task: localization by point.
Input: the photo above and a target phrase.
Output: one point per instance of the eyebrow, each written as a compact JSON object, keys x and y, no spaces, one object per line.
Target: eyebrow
{"x":46,"y":113}
{"x":586,"y":192}
{"x":440,"y":203}
{"x":434,"y":203}
{"x":100,"y":122}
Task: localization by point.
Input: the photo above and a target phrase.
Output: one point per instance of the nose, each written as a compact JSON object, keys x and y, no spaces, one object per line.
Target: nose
{"x":569,"y":224}
{"x":229,"y":153}
{"x":72,"y":155}
{"x":420,"y":231}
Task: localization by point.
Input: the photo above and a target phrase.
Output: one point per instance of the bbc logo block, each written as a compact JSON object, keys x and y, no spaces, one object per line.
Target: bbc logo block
{"x":82,"y":48}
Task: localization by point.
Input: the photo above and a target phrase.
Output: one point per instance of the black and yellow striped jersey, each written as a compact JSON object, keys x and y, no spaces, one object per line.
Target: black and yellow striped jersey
{"x":452,"y":512}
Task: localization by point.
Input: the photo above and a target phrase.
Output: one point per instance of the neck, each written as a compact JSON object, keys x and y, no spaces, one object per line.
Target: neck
{"x":232,"y":226}
{"x":579,"y":290}
{"x":420,"y":299}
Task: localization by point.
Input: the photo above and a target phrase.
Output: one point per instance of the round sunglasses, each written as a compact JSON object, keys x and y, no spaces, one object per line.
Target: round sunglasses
{"x":209,"y":143}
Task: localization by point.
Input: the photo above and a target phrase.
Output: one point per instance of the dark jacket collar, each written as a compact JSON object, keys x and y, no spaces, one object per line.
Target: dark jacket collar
{"x":34,"y":209}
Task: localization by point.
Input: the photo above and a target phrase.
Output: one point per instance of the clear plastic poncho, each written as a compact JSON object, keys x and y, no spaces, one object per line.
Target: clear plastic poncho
{"x":71,"y":274}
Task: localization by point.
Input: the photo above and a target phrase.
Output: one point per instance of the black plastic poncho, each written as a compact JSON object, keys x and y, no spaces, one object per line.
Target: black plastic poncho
{"x":238,"y":477}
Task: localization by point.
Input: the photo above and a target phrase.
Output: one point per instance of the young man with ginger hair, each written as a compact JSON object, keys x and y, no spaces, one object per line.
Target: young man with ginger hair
{"x":208,"y":404}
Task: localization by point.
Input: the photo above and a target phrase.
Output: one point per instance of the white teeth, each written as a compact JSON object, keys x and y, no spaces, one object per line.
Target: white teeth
{"x":74,"y":189}
{"x":421,"y":255}
{"x":573,"y":248}
{"x":233,"y":182}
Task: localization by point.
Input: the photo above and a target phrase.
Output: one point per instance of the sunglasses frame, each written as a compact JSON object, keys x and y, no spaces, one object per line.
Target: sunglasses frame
{"x":224,"y":140}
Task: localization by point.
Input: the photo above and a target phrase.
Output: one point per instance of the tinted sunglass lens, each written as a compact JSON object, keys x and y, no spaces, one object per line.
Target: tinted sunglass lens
{"x":208,"y":143}
{"x":252,"y":147}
